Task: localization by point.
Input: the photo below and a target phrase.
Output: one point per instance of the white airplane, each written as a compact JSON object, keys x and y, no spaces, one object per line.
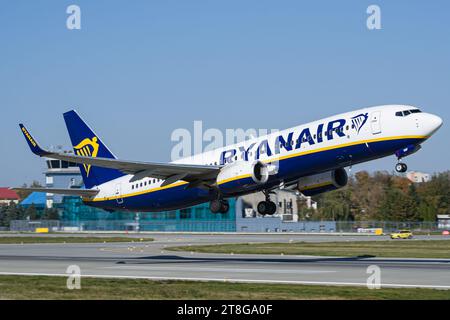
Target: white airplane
{"x":309,"y":158}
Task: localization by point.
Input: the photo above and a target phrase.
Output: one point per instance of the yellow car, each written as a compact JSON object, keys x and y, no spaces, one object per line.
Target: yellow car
{"x":402,"y":234}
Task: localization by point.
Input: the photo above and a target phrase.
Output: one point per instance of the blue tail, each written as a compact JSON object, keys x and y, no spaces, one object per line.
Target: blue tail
{"x":86,"y":143}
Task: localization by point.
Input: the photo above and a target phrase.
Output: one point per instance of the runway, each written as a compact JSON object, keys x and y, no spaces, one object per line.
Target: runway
{"x":151,"y":260}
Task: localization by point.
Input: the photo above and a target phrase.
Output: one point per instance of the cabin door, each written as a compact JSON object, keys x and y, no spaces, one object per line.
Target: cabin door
{"x":375,"y":122}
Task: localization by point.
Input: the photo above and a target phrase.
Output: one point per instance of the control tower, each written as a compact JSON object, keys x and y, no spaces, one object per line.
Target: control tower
{"x":60,"y":174}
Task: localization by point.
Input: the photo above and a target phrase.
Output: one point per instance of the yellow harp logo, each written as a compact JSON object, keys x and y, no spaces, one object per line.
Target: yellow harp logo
{"x":87,"y":148}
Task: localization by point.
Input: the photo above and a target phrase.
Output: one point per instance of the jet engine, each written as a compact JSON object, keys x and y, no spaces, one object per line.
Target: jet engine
{"x":242,"y":175}
{"x":323,"y":182}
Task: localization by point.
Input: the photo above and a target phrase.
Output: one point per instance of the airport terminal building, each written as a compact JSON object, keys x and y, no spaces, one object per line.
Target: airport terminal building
{"x":242,"y":215}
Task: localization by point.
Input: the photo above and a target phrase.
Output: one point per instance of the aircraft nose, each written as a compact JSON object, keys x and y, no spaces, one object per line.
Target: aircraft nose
{"x":433,"y":123}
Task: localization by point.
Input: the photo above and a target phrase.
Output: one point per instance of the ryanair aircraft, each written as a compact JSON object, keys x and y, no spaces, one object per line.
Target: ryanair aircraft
{"x":309,"y":158}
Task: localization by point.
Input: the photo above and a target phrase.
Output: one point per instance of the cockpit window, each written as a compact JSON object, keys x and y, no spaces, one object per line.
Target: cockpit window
{"x":406,"y":112}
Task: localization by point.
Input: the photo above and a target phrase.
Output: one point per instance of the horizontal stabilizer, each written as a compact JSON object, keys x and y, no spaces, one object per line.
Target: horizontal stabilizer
{"x":69,"y":192}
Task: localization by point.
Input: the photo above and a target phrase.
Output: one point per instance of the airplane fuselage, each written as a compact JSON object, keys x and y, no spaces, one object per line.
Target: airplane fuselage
{"x":334,"y":142}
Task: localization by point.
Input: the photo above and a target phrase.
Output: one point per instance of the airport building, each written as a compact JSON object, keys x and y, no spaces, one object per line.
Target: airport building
{"x":242,"y":215}
{"x":418,"y":177}
{"x":7,"y":196}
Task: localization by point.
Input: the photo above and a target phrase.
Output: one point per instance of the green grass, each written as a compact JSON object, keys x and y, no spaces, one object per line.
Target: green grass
{"x":42,"y":287}
{"x":43,"y":239}
{"x":394,"y":248}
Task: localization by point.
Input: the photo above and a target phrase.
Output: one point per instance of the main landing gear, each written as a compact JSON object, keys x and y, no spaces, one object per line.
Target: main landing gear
{"x":267,"y":207}
{"x":219,"y":206}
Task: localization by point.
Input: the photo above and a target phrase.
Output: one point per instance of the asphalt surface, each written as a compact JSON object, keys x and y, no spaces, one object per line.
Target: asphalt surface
{"x":151,"y":260}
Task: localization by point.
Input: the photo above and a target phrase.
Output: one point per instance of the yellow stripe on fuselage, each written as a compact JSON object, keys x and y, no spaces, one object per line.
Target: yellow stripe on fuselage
{"x":298,"y":154}
{"x":136,"y":193}
{"x":234,"y":178}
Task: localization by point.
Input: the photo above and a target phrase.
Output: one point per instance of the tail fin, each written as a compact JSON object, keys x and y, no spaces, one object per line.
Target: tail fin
{"x":86,"y":143}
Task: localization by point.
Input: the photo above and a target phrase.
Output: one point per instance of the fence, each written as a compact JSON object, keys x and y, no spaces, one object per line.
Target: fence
{"x":32,"y":225}
{"x":387,"y":226}
{"x":269,"y":224}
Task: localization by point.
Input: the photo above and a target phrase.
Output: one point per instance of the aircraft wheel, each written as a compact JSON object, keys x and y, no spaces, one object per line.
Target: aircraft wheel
{"x":263,"y":207}
{"x":272,"y":208}
{"x":215,"y":206}
{"x":401,"y":167}
{"x":267,"y":207}
{"x":224,"y":207}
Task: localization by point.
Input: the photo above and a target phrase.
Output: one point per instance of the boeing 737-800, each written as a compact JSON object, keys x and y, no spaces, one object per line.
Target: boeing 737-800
{"x":309,"y":158}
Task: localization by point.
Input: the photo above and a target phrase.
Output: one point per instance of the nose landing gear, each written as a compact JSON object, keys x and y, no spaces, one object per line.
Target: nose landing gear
{"x":401,"y":167}
{"x":267,"y":207}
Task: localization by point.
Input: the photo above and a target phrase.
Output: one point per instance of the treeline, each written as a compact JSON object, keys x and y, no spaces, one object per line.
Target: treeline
{"x":16,"y":212}
{"x":384,"y":196}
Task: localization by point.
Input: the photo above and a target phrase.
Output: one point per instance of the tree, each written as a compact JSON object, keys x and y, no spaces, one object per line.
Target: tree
{"x":50,"y":214}
{"x":385,"y":196}
{"x":23,"y":194}
{"x":13,"y":212}
{"x":31,"y":213}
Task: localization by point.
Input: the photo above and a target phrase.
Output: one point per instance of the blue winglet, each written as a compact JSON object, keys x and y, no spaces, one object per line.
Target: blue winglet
{"x":32,"y":142}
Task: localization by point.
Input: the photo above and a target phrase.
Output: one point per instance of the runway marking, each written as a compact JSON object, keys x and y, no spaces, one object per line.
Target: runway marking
{"x":326,"y":283}
{"x":165,"y":268}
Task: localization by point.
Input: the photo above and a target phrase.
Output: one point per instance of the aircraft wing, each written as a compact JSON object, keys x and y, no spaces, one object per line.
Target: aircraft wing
{"x":71,"y":192}
{"x":170,"y":172}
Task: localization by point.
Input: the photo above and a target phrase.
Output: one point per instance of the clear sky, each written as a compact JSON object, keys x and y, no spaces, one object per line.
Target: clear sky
{"x":137,"y":70}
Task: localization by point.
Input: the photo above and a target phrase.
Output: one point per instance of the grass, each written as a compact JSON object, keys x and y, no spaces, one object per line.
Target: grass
{"x":43,"y":287}
{"x":394,"y":248}
{"x":37,"y":239}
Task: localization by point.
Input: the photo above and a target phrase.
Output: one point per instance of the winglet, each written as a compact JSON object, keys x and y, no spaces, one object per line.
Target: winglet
{"x":32,"y":142}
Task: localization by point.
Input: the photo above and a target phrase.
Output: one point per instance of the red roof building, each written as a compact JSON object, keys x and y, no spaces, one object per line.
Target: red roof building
{"x":7,"y":195}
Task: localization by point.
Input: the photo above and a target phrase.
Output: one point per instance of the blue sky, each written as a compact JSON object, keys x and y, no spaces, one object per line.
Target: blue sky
{"x":137,"y":70}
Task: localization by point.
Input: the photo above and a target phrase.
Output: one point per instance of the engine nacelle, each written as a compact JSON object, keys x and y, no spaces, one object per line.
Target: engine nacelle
{"x":241,"y":175}
{"x":323,"y":182}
